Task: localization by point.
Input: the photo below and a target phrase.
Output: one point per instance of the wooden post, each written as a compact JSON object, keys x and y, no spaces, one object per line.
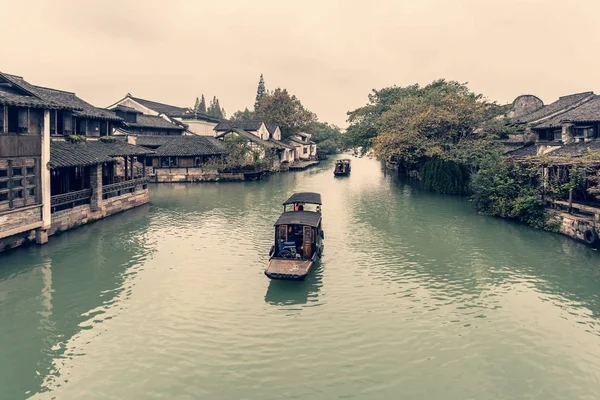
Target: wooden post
{"x":125,"y":158}
{"x":570,"y":201}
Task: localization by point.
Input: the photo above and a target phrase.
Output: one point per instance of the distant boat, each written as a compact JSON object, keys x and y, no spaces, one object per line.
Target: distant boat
{"x":342,"y":167}
{"x":298,"y":238}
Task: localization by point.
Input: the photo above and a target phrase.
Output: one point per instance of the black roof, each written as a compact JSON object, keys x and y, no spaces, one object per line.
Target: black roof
{"x":65,"y":99}
{"x":244,"y":125}
{"x":189,"y":146}
{"x":578,"y":150}
{"x":123,"y":108}
{"x":154,"y":122}
{"x":563,"y":103}
{"x":67,"y":154}
{"x":309,"y":218}
{"x":304,"y":197}
{"x":161,"y":107}
{"x":250,"y":136}
{"x":586,"y":112}
{"x":14,"y":92}
{"x":529,"y":150}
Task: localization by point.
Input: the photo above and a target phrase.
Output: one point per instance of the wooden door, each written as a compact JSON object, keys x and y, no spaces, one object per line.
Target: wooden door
{"x":307,"y":239}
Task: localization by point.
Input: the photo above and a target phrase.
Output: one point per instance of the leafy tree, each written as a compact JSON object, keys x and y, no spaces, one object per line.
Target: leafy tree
{"x":285,"y":110}
{"x":328,"y":137}
{"x":260,"y":93}
{"x":202,"y":106}
{"x":241,"y":116}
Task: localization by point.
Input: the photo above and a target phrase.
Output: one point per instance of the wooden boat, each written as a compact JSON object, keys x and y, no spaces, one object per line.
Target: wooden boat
{"x":342,"y":167}
{"x":298,"y":238}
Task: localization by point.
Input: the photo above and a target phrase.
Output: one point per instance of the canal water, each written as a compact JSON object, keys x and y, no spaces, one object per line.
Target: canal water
{"x":417,"y":296}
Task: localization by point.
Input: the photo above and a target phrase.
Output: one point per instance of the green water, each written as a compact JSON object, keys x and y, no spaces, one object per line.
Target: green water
{"x":417,"y":297}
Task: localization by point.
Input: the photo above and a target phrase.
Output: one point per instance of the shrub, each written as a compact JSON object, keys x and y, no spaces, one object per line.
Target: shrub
{"x":445,"y":177}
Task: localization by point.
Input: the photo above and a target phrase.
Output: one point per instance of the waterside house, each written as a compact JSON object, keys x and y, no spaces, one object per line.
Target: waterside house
{"x":42,"y":175}
{"x":134,"y":122}
{"x":567,"y":142}
{"x":269,"y":136}
{"x":305,"y":149}
{"x":194,"y":123}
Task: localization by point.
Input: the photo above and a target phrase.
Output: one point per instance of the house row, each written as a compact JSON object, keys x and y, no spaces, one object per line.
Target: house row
{"x":570,"y":126}
{"x":65,"y":162}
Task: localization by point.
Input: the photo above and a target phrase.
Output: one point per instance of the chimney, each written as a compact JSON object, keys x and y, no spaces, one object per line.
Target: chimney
{"x":131,"y":139}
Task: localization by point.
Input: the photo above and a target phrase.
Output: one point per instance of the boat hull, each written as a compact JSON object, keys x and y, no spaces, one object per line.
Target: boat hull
{"x":341,"y":173}
{"x":289,"y":269}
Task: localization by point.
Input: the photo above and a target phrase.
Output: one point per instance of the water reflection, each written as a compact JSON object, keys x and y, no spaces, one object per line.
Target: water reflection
{"x":285,"y":293}
{"x":75,"y":279}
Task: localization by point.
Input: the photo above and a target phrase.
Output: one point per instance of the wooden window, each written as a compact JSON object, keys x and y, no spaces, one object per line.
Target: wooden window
{"x":282,"y":233}
{"x":23,"y":117}
{"x":305,"y":150}
{"x":1,"y":119}
{"x":53,"y":122}
{"x":17,"y":183}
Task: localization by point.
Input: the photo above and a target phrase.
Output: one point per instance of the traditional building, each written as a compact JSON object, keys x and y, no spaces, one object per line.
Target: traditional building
{"x":192,"y":122}
{"x":87,"y":183}
{"x":134,"y":122}
{"x":256,"y":128}
{"x":305,"y":149}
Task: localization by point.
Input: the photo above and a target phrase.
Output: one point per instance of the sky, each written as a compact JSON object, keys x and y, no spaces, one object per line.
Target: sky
{"x":329,"y":53}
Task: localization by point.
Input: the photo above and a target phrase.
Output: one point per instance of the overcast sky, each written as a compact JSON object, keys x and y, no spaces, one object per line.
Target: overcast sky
{"x":329,"y":53}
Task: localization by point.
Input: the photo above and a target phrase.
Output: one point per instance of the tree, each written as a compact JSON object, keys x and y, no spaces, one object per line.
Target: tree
{"x":241,"y":116}
{"x":260,"y":93}
{"x":328,"y":137}
{"x":196,"y":105}
{"x":286,"y":110}
{"x":202,"y":106}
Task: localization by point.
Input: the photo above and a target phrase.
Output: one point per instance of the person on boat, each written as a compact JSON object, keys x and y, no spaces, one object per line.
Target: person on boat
{"x":300,"y":207}
{"x":296,"y":207}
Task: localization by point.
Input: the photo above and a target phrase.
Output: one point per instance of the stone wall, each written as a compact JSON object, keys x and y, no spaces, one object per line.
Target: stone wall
{"x":17,"y":240}
{"x":14,"y":219}
{"x":74,"y":217}
{"x":168,"y":175}
{"x":575,"y":226}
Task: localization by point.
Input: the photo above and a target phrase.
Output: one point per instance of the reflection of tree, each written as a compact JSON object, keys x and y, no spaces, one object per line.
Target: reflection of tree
{"x":289,"y":293}
{"x":72,"y":280}
{"x":443,"y":244}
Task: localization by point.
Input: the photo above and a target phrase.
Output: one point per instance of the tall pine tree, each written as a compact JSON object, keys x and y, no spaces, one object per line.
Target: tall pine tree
{"x":196,"y":105}
{"x":202,"y":106}
{"x":260,"y":92}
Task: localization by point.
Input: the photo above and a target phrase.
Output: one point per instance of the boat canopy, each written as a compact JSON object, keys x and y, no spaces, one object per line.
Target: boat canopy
{"x":345,"y":160}
{"x":304,"y":197}
{"x":307,"y":218}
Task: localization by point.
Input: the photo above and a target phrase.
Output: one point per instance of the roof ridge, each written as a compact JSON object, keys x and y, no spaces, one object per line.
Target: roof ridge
{"x":577,"y":94}
{"x":56,"y":90}
{"x":156,"y":102}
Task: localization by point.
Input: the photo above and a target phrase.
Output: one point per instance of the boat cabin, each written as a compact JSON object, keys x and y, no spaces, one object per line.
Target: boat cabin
{"x":342,"y":167}
{"x":297,"y":234}
{"x":298,"y":237}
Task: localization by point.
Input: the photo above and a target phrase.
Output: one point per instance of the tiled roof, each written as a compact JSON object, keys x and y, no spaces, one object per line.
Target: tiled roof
{"x":152,"y":121}
{"x":281,"y":144}
{"x":296,"y":140}
{"x":190,"y":146}
{"x":123,"y":108}
{"x":67,"y":154}
{"x":245,"y":125}
{"x":271,"y":128}
{"x":587,"y":112}
{"x":66,"y":100}
{"x":251,"y":137}
{"x":559,"y":105}
{"x":15,"y":93}
{"x":162,"y":108}
{"x":154,"y":140}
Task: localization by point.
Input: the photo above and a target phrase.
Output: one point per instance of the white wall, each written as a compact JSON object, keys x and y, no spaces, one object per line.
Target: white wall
{"x":127,"y":102}
{"x":200,"y":127}
{"x":277,"y":134}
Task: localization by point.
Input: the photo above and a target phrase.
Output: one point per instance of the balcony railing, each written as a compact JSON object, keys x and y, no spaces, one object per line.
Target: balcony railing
{"x":70,"y":200}
{"x":117,"y":189}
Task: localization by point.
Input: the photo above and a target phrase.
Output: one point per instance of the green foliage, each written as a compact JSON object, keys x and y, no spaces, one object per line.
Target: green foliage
{"x":108,"y":139}
{"x":240,"y":155}
{"x":260,"y":93}
{"x":511,"y":190}
{"x":286,"y":110}
{"x":214,"y":110}
{"x":328,"y":137}
{"x":202,"y":105}
{"x":75,"y":139}
{"x":445,"y":177}
{"x":242,"y":116}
